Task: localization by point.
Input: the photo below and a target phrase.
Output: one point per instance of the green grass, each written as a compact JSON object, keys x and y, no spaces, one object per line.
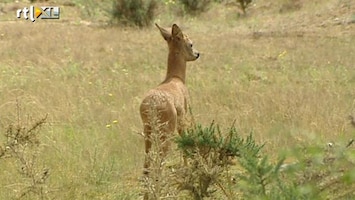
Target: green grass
{"x":291,"y":86}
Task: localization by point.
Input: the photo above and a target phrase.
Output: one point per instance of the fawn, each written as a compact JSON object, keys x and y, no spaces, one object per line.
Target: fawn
{"x":169,"y":99}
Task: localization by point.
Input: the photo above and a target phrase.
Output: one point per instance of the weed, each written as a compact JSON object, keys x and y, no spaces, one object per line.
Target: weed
{"x":210,"y":153}
{"x":318,"y":174}
{"x":22,"y":147}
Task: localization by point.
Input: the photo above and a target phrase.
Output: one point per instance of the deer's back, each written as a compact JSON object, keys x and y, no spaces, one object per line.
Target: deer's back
{"x":173,"y":93}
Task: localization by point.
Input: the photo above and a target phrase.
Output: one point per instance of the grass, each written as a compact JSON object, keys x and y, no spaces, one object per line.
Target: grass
{"x":282,"y":76}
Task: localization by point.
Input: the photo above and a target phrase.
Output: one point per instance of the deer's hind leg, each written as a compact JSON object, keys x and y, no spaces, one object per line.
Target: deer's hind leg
{"x":148,"y":144}
{"x":159,"y":130}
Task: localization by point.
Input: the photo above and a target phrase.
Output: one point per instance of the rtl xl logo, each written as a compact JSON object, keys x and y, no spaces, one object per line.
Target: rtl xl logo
{"x":43,"y":12}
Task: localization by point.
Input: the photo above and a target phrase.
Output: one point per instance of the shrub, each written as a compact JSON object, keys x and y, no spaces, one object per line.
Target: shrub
{"x":22,"y":148}
{"x":210,"y":153}
{"x":134,"y":12}
{"x":195,"y":7}
{"x":224,"y":165}
{"x":244,"y":4}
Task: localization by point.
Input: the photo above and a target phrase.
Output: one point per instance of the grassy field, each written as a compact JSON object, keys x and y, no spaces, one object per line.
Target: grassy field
{"x":286,"y":76}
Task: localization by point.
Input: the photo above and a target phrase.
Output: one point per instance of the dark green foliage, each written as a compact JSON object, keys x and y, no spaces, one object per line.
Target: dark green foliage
{"x":244,"y":4}
{"x":258,"y":173}
{"x":134,"y":12}
{"x":195,"y":7}
{"x":258,"y":176}
{"x":319,"y":173}
{"x":211,"y":138}
{"x":202,"y":138}
{"x":211,"y":151}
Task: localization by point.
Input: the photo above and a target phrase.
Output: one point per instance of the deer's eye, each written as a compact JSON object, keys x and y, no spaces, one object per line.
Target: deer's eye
{"x":191,"y":45}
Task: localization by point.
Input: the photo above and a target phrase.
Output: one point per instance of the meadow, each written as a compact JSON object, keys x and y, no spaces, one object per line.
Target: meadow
{"x":288,"y":77}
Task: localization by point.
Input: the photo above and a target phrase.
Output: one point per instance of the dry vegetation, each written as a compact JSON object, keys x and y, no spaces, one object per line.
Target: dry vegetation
{"x":287,"y":76}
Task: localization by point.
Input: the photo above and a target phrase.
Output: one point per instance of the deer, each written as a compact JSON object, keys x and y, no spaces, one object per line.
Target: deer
{"x":169,"y":99}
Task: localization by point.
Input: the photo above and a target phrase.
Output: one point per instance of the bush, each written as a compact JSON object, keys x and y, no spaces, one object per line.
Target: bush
{"x":244,"y":4}
{"x":211,"y":152}
{"x":22,"y":147}
{"x":195,"y":7}
{"x":320,"y":173}
{"x":134,"y":12}
{"x":223,"y":165}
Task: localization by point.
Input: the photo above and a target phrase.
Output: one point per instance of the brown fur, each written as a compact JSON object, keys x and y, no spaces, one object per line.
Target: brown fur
{"x":169,"y":99}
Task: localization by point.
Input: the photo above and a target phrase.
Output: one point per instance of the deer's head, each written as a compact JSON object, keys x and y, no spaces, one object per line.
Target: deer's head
{"x":179,"y":43}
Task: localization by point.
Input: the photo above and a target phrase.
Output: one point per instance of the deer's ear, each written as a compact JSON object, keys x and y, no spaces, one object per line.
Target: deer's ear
{"x":176,"y":32}
{"x":166,"y":35}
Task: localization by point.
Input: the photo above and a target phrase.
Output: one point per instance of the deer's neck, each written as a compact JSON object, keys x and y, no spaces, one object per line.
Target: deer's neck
{"x":176,"y":67}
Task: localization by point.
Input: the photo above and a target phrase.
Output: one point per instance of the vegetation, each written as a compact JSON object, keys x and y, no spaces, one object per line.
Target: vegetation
{"x":214,"y":155}
{"x":21,"y":150}
{"x":244,"y":4}
{"x":259,"y":71}
{"x":136,"y":12}
{"x":195,"y":7}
